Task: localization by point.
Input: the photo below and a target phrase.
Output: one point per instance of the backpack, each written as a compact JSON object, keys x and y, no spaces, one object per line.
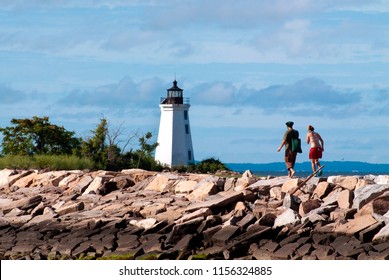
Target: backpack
{"x":296,"y":143}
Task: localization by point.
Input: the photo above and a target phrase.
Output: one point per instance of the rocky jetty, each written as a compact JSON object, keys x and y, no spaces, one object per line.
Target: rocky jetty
{"x":137,"y":214}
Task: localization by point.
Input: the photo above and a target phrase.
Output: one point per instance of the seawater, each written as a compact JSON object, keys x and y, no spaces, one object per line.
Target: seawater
{"x":307,"y":173}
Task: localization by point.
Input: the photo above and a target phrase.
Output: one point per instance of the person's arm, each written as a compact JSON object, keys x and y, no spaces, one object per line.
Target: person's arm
{"x":282,"y":144}
{"x":308,"y":138}
{"x":321,"y":142}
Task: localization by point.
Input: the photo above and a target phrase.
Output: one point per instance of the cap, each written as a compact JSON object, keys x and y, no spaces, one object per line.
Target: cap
{"x":289,"y":124}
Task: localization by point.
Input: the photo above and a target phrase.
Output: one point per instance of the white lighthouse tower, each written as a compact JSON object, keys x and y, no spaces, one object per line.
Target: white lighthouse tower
{"x":174,"y":136}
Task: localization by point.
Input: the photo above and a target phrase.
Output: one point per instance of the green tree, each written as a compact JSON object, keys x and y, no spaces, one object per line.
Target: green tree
{"x":95,"y":146}
{"x":106,"y":149}
{"x":37,"y":136}
{"x":142,"y":157}
{"x":146,"y":148}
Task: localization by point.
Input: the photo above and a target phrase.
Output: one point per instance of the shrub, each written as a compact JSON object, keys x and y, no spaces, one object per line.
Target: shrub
{"x":210,"y":165}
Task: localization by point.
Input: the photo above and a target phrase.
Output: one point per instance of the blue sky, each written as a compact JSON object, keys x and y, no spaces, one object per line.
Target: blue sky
{"x":247,"y":67}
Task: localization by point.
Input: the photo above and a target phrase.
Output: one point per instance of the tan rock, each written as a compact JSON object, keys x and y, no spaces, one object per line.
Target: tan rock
{"x":367,"y":209}
{"x":322,"y":189}
{"x":202,"y":212}
{"x":80,"y":185}
{"x":240,"y":206}
{"x":244,"y":181}
{"x":14,"y":177}
{"x":145,"y":223}
{"x":346,"y":182}
{"x":290,"y":185}
{"x":68,"y":179}
{"x":138,"y":175}
{"x":162,"y":182}
{"x":58,"y":177}
{"x":185,"y":186}
{"x":114,"y":208}
{"x":15,"y":212}
{"x":230,"y":184}
{"x":362,"y":183}
{"x":123,"y":181}
{"x":23,"y":204}
{"x":221,"y":199}
{"x":169,"y":215}
{"x":342,"y":214}
{"x":97,"y":183}
{"x":202,"y":191}
{"x":308,"y":206}
{"x":345,"y":199}
{"x":276,"y":193}
{"x":74,"y":207}
{"x":5,"y":175}
{"x":48,"y":179}
{"x":25,"y":181}
{"x":197,"y":177}
{"x":3,"y":222}
{"x":153,"y":209}
{"x":355,"y":225}
{"x":332,"y":197}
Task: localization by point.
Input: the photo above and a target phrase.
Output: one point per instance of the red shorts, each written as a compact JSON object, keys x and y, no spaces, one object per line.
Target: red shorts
{"x":315,"y":153}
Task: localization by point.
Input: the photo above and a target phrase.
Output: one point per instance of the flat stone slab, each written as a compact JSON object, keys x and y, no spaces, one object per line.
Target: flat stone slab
{"x":216,"y":201}
{"x":355,"y":225}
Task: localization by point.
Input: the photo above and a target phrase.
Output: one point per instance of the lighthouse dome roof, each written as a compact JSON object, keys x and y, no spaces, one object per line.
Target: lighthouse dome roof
{"x":175,"y":87}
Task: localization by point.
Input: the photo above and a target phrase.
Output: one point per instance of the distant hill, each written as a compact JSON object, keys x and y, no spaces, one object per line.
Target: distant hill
{"x":332,"y":167}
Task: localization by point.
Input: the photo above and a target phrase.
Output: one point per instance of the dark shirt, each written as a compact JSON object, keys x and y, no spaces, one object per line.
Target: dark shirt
{"x":288,"y":136}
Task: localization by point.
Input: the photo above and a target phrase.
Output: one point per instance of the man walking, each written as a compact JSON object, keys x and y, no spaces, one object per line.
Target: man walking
{"x":290,"y":155}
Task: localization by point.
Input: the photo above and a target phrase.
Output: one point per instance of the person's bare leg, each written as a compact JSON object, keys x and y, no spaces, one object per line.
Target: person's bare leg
{"x":292,"y":172}
{"x":318,"y":166}
{"x":313,"y":165}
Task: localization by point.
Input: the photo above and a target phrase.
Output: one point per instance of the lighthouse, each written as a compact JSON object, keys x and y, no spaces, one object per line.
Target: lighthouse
{"x":174,"y":135}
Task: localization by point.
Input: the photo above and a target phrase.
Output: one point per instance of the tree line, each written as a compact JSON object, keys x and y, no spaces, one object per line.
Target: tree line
{"x":106,"y":148}
{"x":37,"y":136}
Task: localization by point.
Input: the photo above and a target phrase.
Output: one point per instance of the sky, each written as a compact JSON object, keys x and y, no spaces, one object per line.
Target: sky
{"x":247,"y":66}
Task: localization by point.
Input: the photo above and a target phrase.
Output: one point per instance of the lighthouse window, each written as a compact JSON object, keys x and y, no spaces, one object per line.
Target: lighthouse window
{"x":189,"y":155}
{"x":185,"y":115}
{"x":187,"y":129}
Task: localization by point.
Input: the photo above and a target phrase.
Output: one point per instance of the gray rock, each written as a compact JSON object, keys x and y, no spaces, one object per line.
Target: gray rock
{"x":368,"y":193}
{"x":289,"y":216}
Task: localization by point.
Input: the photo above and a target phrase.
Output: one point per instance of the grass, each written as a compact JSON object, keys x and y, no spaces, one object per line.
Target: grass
{"x":60,"y":162}
{"x":199,"y":257}
{"x":125,"y":256}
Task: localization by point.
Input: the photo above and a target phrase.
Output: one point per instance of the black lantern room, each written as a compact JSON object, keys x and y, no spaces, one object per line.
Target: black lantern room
{"x":174,"y":95}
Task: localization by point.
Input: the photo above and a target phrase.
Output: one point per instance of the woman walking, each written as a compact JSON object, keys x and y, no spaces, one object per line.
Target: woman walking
{"x":317,"y":148}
